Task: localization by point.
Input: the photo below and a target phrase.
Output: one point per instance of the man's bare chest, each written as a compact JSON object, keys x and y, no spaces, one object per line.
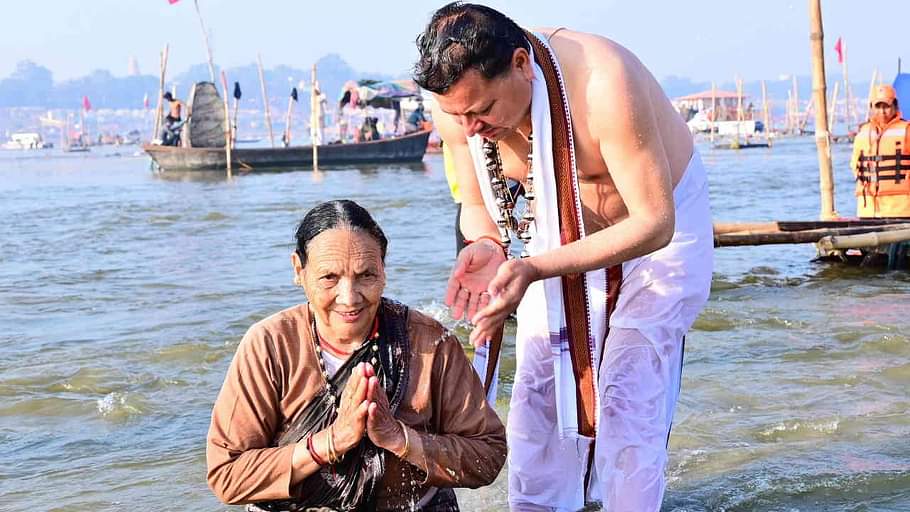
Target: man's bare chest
{"x":602,"y":205}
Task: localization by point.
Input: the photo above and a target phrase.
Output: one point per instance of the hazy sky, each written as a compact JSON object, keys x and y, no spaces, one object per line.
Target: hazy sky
{"x":701,"y":39}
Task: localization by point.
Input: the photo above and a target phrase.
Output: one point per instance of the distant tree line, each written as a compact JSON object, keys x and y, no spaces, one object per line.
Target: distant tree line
{"x":32,"y":85}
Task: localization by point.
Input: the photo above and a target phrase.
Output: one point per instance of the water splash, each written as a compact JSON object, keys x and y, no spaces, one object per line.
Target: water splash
{"x":119,"y":406}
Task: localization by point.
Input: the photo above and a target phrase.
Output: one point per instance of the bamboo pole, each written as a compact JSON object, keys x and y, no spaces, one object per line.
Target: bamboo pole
{"x":740,"y":116}
{"x":713,"y":109}
{"x":287,"y":120}
{"x":82,"y":141}
{"x":234,"y":122}
{"x":832,"y":115}
{"x":314,"y":118}
{"x":822,"y":137}
{"x":185,"y":129}
{"x":796,"y":113}
{"x":265,"y":101}
{"x":205,"y":40}
{"x":871,"y":91}
{"x":765,"y":111}
{"x":790,"y":127}
{"x":723,"y":228}
{"x":804,"y":119}
{"x":830,"y":243}
{"x":847,"y":95}
{"x":162,"y":69}
{"x":227,"y":124}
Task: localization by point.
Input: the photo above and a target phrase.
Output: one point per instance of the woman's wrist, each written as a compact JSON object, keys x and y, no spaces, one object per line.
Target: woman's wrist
{"x":400,"y":446}
{"x":340,"y":442}
{"x":319,"y":459}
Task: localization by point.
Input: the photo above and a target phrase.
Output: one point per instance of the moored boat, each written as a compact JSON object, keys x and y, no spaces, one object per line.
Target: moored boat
{"x":202,"y":145}
{"x":407,"y":148}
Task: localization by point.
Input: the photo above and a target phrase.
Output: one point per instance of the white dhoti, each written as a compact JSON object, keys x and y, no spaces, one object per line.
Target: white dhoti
{"x":639,"y":377}
{"x":627,"y":396}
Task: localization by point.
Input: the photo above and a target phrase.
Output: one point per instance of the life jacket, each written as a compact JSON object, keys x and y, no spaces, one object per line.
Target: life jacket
{"x":881,"y":166}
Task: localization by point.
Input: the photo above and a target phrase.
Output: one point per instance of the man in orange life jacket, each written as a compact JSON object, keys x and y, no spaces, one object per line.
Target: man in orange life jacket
{"x":881,"y":159}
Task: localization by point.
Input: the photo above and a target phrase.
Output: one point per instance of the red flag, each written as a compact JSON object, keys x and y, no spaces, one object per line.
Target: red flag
{"x":86,"y":105}
{"x":145,"y":100}
{"x":839,"y":48}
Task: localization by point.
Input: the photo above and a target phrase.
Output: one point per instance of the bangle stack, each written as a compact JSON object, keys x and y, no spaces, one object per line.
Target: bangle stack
{"x":407,"y":442}
{"x":333,"y":455}
{"x":315,"y":456}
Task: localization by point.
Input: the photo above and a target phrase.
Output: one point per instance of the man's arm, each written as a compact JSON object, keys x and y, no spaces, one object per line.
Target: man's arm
{"x":475,"y":221}
{"x":624,"y":122}
{"x":477,"y":263}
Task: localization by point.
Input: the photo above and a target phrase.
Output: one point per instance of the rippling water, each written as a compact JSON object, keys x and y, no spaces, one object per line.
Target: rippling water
{"x":123,"y":296}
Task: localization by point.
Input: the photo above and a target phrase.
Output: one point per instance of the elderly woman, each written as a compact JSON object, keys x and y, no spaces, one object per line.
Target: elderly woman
{"x":350,"y":401}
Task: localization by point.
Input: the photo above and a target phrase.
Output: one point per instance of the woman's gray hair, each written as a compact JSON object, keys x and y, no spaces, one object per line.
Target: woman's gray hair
{"x":340,"y":213}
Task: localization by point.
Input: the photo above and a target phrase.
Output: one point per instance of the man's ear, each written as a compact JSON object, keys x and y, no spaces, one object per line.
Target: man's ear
{"x":521,"y":61}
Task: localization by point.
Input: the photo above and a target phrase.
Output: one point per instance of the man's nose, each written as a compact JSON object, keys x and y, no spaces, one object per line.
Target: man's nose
{"x":470,"y":125}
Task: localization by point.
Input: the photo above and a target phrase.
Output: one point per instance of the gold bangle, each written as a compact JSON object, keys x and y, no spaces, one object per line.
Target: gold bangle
{"x":407,"y":441}
{"x":333,"y":455}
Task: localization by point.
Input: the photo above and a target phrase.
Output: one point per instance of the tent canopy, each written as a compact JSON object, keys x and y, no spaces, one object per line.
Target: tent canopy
{"x":376,"y":93}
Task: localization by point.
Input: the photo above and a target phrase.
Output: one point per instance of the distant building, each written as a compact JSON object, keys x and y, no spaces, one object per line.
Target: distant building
{"x":701,"y":102}
{"x":26,"y":141}
{"x":727,"y":103}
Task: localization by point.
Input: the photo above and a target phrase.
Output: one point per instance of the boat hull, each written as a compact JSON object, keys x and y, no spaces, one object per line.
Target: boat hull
{"x":408,"y":148}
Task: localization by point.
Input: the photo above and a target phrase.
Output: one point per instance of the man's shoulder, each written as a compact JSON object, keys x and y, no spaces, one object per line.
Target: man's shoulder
{"x":597,"y":59}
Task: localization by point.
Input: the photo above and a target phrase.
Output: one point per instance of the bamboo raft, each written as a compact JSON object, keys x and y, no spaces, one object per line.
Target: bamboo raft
{"x":866,"y":242}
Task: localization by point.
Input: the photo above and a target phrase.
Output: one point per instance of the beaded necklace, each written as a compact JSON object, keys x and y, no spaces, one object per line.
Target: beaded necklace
{"x":372,"y":339}
{"x":505,"y":202}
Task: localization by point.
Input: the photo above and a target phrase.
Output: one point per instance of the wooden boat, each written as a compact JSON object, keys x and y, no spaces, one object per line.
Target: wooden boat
{"x":408,"y":148}
{"x":203,"y":145}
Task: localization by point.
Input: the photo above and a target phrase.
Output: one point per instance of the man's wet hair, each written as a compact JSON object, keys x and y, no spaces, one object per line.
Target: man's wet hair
{"x":462,"y":36}
{"x":168,"y":96}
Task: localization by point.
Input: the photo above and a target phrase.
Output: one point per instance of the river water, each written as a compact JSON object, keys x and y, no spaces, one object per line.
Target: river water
{"x":123,"y":295}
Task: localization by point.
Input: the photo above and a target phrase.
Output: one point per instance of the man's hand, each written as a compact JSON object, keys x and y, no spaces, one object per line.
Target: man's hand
{"x":507,"y":288}
{"x":474,"y":269}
